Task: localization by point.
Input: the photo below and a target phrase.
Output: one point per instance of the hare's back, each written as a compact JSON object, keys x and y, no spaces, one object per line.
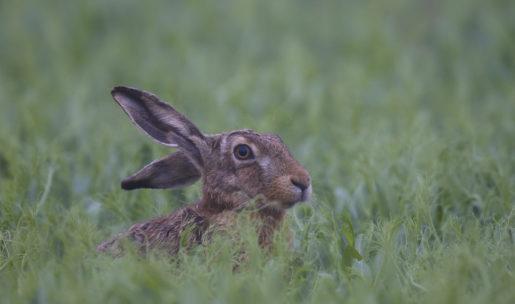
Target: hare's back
{"x":167,"y":232}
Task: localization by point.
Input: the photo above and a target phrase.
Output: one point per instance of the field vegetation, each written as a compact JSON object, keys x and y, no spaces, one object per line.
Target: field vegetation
{"x":402,"y":111}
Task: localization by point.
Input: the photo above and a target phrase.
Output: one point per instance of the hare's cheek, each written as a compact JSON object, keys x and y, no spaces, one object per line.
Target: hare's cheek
{"x":249,"y":178}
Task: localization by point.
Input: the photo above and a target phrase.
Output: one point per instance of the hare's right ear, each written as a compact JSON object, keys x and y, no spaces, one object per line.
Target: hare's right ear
{"x":162,"y":122}
{"x":172,"y":171}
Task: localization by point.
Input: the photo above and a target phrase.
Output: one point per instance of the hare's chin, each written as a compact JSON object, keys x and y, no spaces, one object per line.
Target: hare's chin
{"x":289,"y":204}
{"x":279,"y":205}
{"x":306,"y":195}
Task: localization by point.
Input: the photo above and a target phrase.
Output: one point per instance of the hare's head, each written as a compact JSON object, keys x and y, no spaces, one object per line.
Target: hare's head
{"x":235,"y":167}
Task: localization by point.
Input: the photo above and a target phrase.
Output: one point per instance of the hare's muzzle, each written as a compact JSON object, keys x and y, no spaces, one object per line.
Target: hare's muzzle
{"x":303,"y":185}
{"x":295,"y":186}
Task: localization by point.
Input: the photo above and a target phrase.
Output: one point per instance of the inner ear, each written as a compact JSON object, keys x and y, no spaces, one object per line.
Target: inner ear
{"x":161,"y":121}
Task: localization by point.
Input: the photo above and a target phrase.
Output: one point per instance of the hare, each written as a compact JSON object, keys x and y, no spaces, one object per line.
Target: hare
{"x":235,"y":167}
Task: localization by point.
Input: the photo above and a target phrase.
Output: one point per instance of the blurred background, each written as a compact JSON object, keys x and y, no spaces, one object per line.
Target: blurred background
{"x":403,"y":112}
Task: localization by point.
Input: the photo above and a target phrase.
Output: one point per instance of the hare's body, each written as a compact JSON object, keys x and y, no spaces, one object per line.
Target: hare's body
{"x":235,"y":167}
{"x":163,"y":233}
{"x":189,"y":225}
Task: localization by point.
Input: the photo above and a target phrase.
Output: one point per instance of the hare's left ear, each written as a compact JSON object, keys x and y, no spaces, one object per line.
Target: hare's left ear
{"x":172,"y":171}
{"x":162,"y":122}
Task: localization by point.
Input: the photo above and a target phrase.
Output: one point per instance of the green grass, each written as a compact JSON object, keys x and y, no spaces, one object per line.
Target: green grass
{"x":403,"y":112}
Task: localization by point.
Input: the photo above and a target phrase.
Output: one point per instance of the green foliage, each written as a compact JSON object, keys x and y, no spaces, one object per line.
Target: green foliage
{"x":403,"y":112}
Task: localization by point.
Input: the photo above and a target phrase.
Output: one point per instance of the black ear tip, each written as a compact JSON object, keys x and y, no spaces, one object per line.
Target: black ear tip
{"x":123,"y":90}
{"x":116,"y":90}
{"x":128,"y":185}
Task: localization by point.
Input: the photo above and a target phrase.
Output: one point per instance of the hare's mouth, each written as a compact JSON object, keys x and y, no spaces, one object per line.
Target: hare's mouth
{"x":306,"y":194}
{"x":286,"y":196}
{"x":300,"y":197}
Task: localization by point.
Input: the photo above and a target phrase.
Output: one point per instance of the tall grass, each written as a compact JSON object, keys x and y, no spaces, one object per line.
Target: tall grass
{"x":403,"y":112}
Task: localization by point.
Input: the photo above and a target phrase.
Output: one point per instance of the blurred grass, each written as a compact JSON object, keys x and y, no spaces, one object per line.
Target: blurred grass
{"x":403,"y":111}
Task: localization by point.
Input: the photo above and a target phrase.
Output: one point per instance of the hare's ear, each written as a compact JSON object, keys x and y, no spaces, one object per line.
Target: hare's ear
{"x":172,"y":171}
{"x":161,"y":121}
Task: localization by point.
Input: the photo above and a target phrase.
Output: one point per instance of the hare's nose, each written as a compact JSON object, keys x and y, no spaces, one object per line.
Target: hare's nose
{"x":302,"y":184}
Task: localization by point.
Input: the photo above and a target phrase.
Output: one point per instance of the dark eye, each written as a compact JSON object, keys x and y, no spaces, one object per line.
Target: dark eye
{"x":243,"y":152}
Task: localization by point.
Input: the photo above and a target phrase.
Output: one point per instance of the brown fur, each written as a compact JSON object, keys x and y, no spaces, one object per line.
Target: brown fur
{"x":272,"y":177}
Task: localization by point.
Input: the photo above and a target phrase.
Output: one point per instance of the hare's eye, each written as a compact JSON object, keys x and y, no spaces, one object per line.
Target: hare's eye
{"x":243,"y":152}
